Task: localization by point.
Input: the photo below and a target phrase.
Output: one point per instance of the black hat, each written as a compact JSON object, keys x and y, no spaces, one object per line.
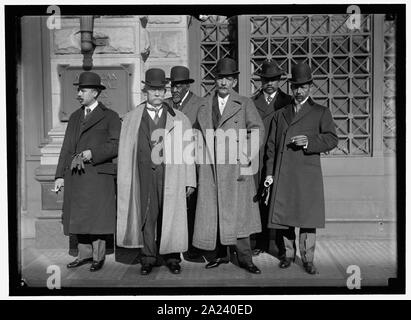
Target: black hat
{"x":270,"y":69}
{"x":301,"y":74}
{"x":226,"y":67}
{"x":155,"y":78}
{"x":180,"y":74}
{"x":89,"y":79}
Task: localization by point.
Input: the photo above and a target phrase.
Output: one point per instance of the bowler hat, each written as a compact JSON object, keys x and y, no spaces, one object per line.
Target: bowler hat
{"x":155,"y":78}
{"x":301,"y":74}
{"x":89,"y":79}
{"x":226,"y":67}
{"x":180,"y":74}
{"x":270,"y":69}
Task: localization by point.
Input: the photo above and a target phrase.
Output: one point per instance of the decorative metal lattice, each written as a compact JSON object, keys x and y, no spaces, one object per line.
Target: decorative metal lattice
{"x":218,"y":40}
{"x":341,"y":60}
{"x":389,"y":126}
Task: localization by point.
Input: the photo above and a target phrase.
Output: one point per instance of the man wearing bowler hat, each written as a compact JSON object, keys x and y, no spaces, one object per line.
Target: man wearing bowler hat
{"x":226,"y":214}
{"x":268,"y":99}
{"x":152,"y":190}
{"x":86,"y":171}
{"x":298,"y":134}
{"x":188,"y":103}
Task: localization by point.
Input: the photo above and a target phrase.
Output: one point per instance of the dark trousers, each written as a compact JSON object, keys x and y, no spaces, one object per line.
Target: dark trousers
{"x":153,"y":220}
{"x":91,"y":246}
{"x":307,"y":239}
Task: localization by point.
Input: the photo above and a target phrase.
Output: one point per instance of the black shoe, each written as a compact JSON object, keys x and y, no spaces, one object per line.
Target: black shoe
{"x":96,"y":265}
{"x":257,"y":251}
{"x":193,"y":257}
{"x":285,"y":262}
{"x":77,"y":263}
{"x":146,"y":269}
{"x":174,"y":267}
{"x":252,"y":268}
{"x":216,"y":262}
{"x":310,"y":268}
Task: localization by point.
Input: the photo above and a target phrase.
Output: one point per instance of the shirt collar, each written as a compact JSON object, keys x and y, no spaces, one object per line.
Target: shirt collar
{"x":302,"y":102}
{"x":223,"y":100}
{"x":186,"y":95}
{"x":266,"y":95}
{"x":93,"y":105}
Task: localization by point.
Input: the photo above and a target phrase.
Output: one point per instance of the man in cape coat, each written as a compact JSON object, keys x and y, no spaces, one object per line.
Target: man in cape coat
{"x":298,"y":134}
{"x":154,"y":178}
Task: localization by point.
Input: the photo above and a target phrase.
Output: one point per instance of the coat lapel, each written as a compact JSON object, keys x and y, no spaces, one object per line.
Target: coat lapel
{"x":305,"y":109}
{"x":95,"y":116}
{"x":288,"y":113}
{"x":186,"y":103}
{"x":232,"y":107}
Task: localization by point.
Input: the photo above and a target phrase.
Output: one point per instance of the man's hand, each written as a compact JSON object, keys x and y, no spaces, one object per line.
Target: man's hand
{"x":189,"y":191}
{"x":268,"y":181}
{"x":301,"y":141}
{"x":58,"y":184}
{"x":86,"y":155}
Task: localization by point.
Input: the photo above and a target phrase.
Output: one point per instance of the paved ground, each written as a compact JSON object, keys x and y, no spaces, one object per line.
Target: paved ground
{"x":375,"y":258}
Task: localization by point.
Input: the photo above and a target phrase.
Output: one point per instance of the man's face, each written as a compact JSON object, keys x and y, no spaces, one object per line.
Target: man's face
{"x":225,"y":85}
{"x":178,"y":91}
{"x":155,"y":96}
{"x":270,"y":85}
{"x":86,"y":96}
{"x":301,"y":92}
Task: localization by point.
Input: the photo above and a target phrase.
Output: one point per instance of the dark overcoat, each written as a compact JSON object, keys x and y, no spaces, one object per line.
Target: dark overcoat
{"x":89,"y":205}
{"x":297,"y":194}
{"x":266,"y":112}
{"x":190,"y":106}
{"x":225,"y":192}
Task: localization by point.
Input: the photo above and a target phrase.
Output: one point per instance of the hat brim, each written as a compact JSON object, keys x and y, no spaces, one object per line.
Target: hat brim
{"x":180,"y":81}
{"x":161,"y":84}
{"x":228,"y":74}
{"x":270,"y":76}
{"x":91,"y":86}
{"x":291,"y":81}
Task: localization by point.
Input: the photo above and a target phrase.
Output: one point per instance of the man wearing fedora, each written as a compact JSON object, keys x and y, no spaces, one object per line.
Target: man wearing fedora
{"x":86,"y":171}
{"x":152,"y":213}
{"x":188,"y":103}
{"x":268,"y":99}
{"x":226,"y":213}
{"x":298,"y":134}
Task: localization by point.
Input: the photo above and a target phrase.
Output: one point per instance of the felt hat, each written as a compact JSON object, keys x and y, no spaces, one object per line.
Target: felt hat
{"x":89,"y":79}
{"x":180,"y":74}
{"x":226,"y":67}
{"x":301,"y":74}
{"x":270,"y":69}
{"x":155,"y":77}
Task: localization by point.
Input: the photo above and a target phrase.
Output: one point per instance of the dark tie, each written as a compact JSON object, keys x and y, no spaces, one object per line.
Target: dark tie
{"x":156,"y":110}
{"x":269,"y":99}
{"x":88,"y":110}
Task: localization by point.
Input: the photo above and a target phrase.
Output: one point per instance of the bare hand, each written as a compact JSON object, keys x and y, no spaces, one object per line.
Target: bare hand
{"x":300,"y":140}
{"x":86,"y":155}
{"x":58,"y":184}
{"x":268,"y":181}
{"x":189,"y":191}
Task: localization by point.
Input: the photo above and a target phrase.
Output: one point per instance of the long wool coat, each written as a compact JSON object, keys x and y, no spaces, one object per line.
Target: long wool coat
{"x":178,"y":176}
{"x":89,"y":205}
{"x":225,"y":195}
{"x":297,"y":194}
{"x":266,"y":112}
{"x":190,"y":106}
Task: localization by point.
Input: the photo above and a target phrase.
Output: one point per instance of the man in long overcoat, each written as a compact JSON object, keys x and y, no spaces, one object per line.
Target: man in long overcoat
{"x":268,"y":99}
{"x":86,"y":170}
{"x":298,"y":134}
{"x":226,"y":213}
{"x":186,"y":101}
{"x":153,"y":179}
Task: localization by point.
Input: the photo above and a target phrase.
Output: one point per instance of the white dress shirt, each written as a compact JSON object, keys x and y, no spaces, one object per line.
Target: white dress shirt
{"x":91,"y":107}
{"x":222,"y":102}
{"x":153,"y":113}
{"x":266,"y":95}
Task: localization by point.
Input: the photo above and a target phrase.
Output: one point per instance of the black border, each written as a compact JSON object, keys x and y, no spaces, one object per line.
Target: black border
{"x":13,"y":14}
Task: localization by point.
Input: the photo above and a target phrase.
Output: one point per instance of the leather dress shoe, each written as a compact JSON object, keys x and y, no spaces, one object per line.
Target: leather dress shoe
{"x":96,"y":265}
{"x":77,"y":263}
{"x":216,"y":262}
{"x":146,"y":269}
{"x":193,"y":257}
{"x":252,"y":268}
{"x":310,"y":268}
{"x":174,"y":267}
{"x":257,"y":251}
{"x":285,"y":262}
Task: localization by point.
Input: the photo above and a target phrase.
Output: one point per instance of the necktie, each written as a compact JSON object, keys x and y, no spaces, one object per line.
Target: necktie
{"x":156,"y":111}
{"x":88,"y":110}
{"x":269,"y":99}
